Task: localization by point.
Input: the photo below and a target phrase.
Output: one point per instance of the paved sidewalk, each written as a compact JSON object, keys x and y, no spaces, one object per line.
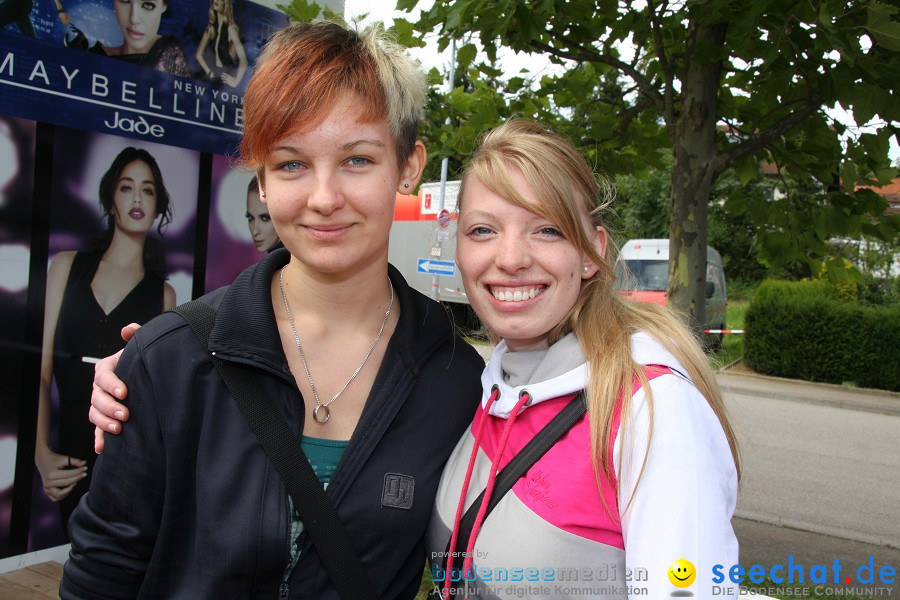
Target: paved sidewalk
{"x":823,"y":394}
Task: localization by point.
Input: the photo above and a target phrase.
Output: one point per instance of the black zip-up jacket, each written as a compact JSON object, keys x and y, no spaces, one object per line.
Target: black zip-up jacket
{"x":185,"y":504}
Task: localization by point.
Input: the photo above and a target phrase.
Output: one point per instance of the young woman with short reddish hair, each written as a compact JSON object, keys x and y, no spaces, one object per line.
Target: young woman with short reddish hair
{"x":366,"y":371}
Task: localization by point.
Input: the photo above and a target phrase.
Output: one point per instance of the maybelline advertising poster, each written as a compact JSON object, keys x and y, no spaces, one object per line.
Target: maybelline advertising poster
{"x":118,"y":124}
{"x":173,"y":72}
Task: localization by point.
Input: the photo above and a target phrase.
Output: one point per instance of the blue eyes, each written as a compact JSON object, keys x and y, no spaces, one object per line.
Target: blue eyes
{"x":293,"y":166}
{"x":549,"y":232}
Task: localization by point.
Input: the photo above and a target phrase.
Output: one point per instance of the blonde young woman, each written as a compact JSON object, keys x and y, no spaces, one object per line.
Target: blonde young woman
{"x":223,"y":37}
{"x":650,"y":475}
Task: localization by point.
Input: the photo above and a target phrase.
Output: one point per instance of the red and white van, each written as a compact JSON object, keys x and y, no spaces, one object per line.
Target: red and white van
{"x":643,"y":275}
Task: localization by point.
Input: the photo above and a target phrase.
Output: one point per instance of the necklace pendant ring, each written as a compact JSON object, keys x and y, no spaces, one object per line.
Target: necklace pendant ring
{"x":325,"y":412}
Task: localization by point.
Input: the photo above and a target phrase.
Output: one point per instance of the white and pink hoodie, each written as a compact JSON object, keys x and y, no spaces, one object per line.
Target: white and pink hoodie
{"x":550,"y":536}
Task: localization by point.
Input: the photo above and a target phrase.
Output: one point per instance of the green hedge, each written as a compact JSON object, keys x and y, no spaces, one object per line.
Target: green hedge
{"x":800,"y":330}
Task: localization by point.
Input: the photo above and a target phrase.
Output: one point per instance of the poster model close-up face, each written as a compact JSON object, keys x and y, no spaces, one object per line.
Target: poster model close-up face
{"x":240,"y":228}
{"x":139,"y":21}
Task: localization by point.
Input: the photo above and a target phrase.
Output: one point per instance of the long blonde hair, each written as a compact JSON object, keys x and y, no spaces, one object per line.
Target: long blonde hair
{"x":575,"y":199}
{"x":227,"y":16}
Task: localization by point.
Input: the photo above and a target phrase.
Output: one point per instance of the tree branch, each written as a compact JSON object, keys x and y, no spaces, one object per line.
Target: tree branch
{"x":668,"y":71}
{"x":787,"y":159}
{"x":763,"y":139}
{"x":578,"y":53}
{"x":625,"y":118}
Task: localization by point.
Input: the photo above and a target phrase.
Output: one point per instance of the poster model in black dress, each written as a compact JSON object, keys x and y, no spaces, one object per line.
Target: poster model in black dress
{"x":91,"y":295}
{"x":223,"y":38}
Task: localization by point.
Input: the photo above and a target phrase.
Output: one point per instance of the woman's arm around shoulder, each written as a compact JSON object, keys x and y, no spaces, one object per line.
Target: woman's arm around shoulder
{"x":681,"y":505}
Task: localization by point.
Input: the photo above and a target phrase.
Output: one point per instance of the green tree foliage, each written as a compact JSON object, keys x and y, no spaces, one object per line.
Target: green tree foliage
{"x":642,"y":203}
{"x":735,"y":236}
{"x":725,"y":85}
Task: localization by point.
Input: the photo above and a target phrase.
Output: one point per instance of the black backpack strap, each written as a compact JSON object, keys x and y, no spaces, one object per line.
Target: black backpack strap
{"x":283,"y":449}
{"x":521,"y":462}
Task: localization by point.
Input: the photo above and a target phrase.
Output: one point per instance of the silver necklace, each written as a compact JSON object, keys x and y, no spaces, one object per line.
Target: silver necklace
{"x":321,"y":413}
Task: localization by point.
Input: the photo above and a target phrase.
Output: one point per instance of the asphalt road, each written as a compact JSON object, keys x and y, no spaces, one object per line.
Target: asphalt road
{"x":817,"y":458}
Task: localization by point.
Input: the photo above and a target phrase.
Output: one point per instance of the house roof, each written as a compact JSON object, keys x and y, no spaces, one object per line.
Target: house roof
{"x":890,"y":192}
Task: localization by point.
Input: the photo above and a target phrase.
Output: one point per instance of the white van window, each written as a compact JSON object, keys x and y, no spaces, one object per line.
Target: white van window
{"x":649,"y":275}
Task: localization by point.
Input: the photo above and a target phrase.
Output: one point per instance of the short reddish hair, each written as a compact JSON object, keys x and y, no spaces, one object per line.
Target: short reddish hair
{"x":305,"y":67}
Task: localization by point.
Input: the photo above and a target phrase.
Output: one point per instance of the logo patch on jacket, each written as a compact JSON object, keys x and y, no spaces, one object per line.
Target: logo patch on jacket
{"x":398,"y":491}
{"x":539,"y":487}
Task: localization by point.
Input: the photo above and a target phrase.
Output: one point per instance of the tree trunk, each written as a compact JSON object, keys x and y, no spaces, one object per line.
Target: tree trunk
{"x":693,"y":175}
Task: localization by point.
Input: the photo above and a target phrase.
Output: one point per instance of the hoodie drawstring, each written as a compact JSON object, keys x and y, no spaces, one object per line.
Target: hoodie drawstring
{"x":524,"y":398}
{"x":495,"y":393}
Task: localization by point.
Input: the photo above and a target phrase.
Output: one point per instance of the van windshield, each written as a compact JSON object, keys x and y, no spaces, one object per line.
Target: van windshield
{"x":647,"y":275}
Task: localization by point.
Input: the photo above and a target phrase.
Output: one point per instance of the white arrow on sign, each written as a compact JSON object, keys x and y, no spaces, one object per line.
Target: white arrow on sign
{"x":440,"y":267}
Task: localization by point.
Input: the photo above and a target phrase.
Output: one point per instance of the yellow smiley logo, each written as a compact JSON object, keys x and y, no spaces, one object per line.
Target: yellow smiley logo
{"x":682,"y":573}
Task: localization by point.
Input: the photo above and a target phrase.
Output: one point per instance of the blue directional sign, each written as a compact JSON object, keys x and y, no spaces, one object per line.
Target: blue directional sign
{"x":436,"y":267}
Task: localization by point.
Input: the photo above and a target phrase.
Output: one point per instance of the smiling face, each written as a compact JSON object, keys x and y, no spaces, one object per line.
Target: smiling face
{"x":260,"y":223}
{"x":682,"y":573}
{"x":139,"y":22}
{"x":134,"y":199}
{"x":522,"y":276}
{"x":330,"y":191}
